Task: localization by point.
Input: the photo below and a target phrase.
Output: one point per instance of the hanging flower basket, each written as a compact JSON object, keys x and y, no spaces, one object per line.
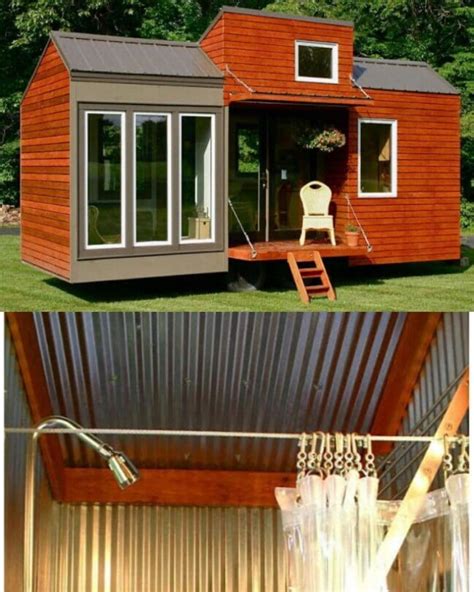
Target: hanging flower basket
{"x":325,"y":139}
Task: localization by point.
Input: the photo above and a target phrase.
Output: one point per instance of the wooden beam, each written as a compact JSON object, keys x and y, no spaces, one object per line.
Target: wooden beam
{"x":171,"y":487}
{"x":25,"y":341}
{"x":408,"y":360}
{"x":416,"y":493}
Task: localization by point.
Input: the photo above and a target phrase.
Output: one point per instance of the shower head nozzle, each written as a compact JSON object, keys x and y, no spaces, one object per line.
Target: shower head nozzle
{"x":123,"y":469}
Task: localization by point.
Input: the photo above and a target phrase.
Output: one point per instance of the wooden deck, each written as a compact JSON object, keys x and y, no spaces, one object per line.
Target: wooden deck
{"x":278,"y":250}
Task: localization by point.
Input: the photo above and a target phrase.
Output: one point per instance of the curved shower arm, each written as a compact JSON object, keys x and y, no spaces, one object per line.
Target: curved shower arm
{"x":123,"y":469}
{"x":95,"y":443}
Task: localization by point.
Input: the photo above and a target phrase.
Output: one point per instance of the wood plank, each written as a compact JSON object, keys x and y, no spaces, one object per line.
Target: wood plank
{"x":25,"y":341}
{"x":173,"y":487}
{"x":408,"y":360}
{"x":415,"y":496}
{"x":278,"y":250}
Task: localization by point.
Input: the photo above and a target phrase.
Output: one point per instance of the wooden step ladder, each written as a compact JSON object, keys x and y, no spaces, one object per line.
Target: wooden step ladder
{"x":318,"y":271}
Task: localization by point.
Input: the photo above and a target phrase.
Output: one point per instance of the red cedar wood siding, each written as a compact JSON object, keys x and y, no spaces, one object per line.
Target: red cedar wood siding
{"x":422,"y":222}
{"x":260,"y":50}
{"x":45,"y":154}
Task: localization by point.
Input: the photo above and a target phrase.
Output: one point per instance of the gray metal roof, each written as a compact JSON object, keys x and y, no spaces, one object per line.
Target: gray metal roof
{"x":400,"y":75}
{"x":125,"y":55}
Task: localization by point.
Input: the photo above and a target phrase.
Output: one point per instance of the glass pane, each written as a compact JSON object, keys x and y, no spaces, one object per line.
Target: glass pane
{"x":104,"y":178}
{"x":196,"y":177}
{"x":248,"y":157}
{"x":151,"y":178}
{"x":244,"y":177}
{"x":315,"y":62}
{"x":376,"y":156}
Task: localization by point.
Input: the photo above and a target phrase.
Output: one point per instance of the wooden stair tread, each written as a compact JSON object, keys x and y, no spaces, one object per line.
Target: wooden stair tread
{"x":317,"y":289}
{"x":300,"y":274}
{"x":311,"y":272}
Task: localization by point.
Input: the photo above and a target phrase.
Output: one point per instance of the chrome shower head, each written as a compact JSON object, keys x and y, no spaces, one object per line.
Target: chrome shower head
{"x":123,"y":469}
{"x":121,"y":466}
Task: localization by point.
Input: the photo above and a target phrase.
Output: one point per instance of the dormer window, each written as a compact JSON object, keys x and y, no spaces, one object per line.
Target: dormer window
{"x":316,"y":61}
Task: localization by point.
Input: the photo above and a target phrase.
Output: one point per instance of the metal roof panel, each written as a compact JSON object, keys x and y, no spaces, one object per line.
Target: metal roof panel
{"x":122,"y":55}
{"x":400,"y":75}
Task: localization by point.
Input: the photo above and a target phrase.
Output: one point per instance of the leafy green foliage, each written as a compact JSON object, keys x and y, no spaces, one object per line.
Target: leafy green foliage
{"x":467,"y":216}
{"x":24,"y":30}
{"x":437,"y":31}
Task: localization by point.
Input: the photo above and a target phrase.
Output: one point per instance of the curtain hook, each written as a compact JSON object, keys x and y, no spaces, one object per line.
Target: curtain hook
{"x":447,"y":458}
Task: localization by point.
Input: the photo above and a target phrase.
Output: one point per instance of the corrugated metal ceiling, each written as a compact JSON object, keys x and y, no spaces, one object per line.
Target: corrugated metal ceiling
{"x":236,"y":371}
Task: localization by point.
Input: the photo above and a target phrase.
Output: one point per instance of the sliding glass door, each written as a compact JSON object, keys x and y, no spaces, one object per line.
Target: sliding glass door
{"x":247,"y":176}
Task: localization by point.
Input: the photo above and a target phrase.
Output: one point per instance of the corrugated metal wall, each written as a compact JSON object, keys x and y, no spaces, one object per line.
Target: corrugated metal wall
{"x":17,"y":415}
{"x":118,"y":548}
{"x":447,"y":358}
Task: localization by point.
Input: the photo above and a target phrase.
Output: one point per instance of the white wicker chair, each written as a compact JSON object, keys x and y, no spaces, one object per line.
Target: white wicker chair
{"x":316,"y":198}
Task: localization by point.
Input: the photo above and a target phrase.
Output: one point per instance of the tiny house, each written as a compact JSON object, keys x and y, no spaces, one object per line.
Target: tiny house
{"x":203,"y":516}
{"x":132,"y":150}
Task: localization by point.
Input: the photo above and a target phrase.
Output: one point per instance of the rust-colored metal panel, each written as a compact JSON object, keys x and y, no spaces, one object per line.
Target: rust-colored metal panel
{"x":45,"y":179}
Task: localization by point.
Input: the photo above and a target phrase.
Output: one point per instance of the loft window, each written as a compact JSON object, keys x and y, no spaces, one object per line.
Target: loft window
{"x":316,"y":61}
{"x":377,"y":158}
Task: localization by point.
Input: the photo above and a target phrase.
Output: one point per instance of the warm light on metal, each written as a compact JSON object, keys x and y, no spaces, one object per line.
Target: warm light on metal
{"x":123,"y":469}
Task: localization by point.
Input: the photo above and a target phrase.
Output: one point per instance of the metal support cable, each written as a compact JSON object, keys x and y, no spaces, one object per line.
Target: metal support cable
{"x":244,"y":232}
{"x":210,"y":434}
{"x":366,"y":239}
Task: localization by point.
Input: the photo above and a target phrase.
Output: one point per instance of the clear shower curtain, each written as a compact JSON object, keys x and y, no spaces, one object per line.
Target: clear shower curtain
{"x":337,"y":537}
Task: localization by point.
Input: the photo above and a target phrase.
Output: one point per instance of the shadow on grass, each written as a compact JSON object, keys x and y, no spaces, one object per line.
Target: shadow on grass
{"x":142,"y":289}
{"x":278,"y":280}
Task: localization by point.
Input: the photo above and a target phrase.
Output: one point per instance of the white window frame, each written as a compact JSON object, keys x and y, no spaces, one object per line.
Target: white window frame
{"x":169,"y":166}
{"x":212,"y":213}
{"x":393,"y":160}
{"x":334,"y":61}
{"x":122,"y":179}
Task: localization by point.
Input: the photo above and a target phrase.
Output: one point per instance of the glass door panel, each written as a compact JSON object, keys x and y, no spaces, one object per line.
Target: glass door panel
{"x":291,"y":167}
{"x":247,"y":177}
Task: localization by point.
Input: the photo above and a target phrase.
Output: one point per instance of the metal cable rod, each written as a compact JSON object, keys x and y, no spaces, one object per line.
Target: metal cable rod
{"x":211,"y":434}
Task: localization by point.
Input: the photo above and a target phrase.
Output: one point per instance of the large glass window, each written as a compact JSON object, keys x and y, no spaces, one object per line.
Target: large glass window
{"x":197,"y":177}
{"x":316,"y":62}
{"x":104,"y":179}
{"x":377,"y":158}
{"x":152,"y":178}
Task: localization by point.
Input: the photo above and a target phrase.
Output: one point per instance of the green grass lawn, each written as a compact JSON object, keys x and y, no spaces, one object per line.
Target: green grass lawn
{"x":429,"y":286}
